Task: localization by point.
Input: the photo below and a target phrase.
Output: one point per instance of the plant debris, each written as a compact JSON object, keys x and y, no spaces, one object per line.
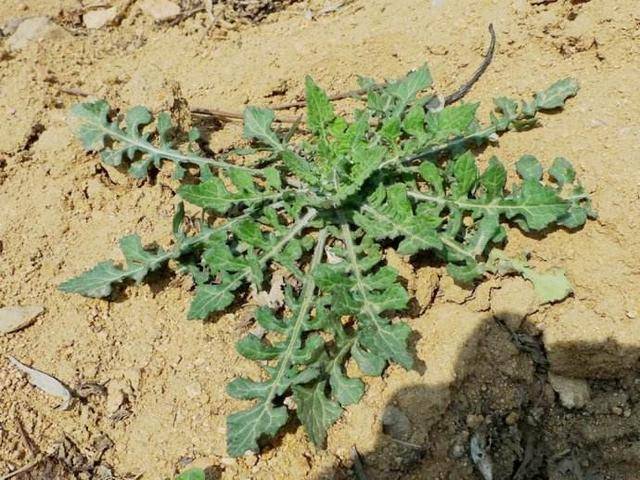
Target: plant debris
{"x":13,"y":319}
{"x":45,"y":382}
{"x":479,"y":451}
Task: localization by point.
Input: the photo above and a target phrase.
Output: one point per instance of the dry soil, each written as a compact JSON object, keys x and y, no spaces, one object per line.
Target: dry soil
{"x":162,"y":406}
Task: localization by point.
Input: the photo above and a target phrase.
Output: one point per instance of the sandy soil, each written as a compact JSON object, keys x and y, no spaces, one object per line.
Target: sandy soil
{"x":164,"y":404}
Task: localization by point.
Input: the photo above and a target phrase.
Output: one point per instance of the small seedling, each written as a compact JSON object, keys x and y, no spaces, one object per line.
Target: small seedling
{"x":323,"y":204}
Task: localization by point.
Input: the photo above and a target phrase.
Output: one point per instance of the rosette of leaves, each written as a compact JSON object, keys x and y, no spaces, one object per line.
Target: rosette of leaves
{"x":323,"y":204}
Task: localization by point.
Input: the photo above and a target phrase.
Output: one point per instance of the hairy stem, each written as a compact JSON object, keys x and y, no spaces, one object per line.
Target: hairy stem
{"x":306,"y":298}
{"x":168,"y":153}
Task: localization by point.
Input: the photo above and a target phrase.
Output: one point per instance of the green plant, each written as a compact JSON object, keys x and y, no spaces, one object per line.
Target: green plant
{"x":192,"y":474}
{"x":323,"y":204}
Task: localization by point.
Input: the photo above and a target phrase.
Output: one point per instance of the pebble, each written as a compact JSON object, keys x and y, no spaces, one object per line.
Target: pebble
{"x":458,"y":451}
{"x":160,"y":10}
{"x":95,"y":19}
{"x":29,"y":30}
{"x":573,"y":392}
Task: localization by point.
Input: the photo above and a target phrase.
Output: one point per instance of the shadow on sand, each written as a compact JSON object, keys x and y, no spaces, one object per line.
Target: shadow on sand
{"x":503,"y":411}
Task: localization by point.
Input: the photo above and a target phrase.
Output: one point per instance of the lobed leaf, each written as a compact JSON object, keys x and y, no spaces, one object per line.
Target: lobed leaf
{"x":316,"y":412}
{"x":257,"y":126}
{"x":557,"y":94}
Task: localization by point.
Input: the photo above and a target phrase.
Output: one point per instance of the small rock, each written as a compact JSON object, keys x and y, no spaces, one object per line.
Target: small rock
{"x":160,"y":10}
{"x":513,"y":301}
{"x":31,"y":29}
{"x":395,"y":423}
{"x":458,"y":451}
{"x":573,"y":392}
{"x":95,"y":19}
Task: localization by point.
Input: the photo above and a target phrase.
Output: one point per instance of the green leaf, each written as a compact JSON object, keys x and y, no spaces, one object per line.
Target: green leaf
{"x":391,"y":129}
{"x":368,"y":362}
{"x":245,"y":389}
{"x":319,"y":108}
{"x":556,"y":95}
{"x":452,"y":120}
{"x":392,"y":216}
{"x":192,"y":474}
{"x":257,"y":125}
{"x":316,"y":412}
{"x":562,"y":171}
{"x":414,"y":122}
{"x":387,"y":341}
{"x":96,"y":282}
{"x":405,"y":90}
{"x":494,"y":178}
{"x":264,"y":419}
{"x":137,"y":118}
{"x":254,"y":348}
{"x":432,"y":175}
{"x":465,"y":172}
{"x":88,"y":121}
{"x":346,"y":390}
{"x":537,"y":204}
{"x":212,"y":194}
{"x":300,"y":167}
{"x":375,"y":333}
{"x":529,"y":168}
{"x":550,"y":286}
{"x":465,"y":274}
{"x":212,"y":298}
{"x":246,"y":428}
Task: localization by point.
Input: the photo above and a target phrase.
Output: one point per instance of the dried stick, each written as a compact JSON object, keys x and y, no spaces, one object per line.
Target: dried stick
{"x":486,"y":61}
{"x":23,"y":469}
